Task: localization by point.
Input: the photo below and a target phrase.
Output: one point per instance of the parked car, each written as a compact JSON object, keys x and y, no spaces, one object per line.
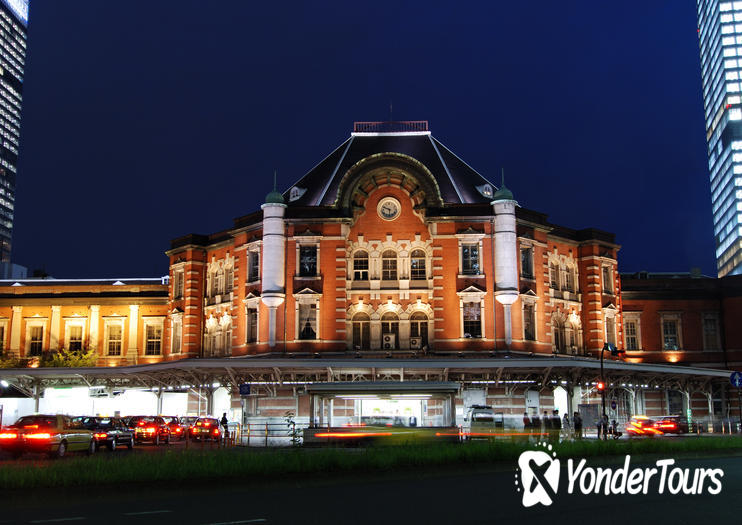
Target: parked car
{"x":149,"y":428}
{"x":641,"y":426}
{"x":672,"y":425}
{"x":177,"y":431}
{"x":187,"y":422}
{"x":54,"y":435}
{"x":206,"y":428}
{"x":109,"y":432}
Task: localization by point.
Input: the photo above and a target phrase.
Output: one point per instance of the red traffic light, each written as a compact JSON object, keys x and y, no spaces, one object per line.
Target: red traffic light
{"x":601,"y":386}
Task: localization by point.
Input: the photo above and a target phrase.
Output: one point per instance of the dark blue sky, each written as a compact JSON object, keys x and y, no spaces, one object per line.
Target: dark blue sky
{"x":144,"y":121}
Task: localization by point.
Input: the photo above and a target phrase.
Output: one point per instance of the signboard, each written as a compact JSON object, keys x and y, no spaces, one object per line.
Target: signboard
{"x":245,"y":389}
{"x":736,"y":379}
{"x":19,"y":9}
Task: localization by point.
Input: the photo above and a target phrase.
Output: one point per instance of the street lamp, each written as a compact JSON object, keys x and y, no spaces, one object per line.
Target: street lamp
{"x":601,"y":385}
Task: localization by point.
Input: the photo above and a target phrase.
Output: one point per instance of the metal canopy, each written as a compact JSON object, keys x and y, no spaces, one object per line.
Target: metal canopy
{"x":384,"y":387}
{"x":271,"y":372}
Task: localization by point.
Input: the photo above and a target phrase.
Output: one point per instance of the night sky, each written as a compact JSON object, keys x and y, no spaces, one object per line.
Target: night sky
{"x":147,"y":120}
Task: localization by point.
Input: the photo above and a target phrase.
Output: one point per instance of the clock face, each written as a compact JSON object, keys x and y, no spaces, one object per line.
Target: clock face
{"x":388,"y":208}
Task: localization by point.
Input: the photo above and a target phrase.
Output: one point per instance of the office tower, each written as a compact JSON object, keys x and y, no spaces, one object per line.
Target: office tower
{"x":13,"y":25}
{"x":720,"y":42}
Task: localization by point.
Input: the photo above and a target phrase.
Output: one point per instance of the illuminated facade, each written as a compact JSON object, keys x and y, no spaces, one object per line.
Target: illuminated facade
{"x":391,"y":260}
{"x":13,"y":25}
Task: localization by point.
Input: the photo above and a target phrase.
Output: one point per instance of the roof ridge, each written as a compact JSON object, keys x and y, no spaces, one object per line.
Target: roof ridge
{"x":445,"y":167}
{"x":320,"y":162}
{"x":464,"y":162}
{"x":334,"y":172}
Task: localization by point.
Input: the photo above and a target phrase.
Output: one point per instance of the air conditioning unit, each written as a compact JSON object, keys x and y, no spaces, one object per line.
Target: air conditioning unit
{"x":416,"y":343}
{"x":388,"y":341}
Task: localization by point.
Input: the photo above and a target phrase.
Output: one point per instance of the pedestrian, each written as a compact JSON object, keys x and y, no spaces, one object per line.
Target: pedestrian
{"x":604,"y":425}
{"x":225,"y":426}
{"x":566,"y":429}
{"x":545,"y":424}
{"x":556,"y":426}
{"x":577,"y":421}
{"x":526,"y":422}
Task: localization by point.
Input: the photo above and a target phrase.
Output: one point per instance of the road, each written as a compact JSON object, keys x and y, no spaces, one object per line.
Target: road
{"x":470,"y":496}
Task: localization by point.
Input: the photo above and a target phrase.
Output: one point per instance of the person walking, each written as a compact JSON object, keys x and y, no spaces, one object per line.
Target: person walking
{"x":556,"y":426}
{"x":225,"y":427}
{"x":577,"y":422}
{"x":604,"y":425}
{"x":566,"y":429}
{"x":526,"y":422}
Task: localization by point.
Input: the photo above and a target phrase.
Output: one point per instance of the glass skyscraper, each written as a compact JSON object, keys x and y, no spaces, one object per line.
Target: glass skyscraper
{"x":720,"y":41}
{"x":13,"y":25}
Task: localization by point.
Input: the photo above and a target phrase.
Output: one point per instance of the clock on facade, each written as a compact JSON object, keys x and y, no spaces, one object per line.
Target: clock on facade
{"x":388,"y":208}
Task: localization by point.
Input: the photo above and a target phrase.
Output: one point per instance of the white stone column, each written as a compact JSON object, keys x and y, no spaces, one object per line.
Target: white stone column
{"x":273,"y":277}
{"x":54,"y":328}
{"x":132,"y":352}
{"x":506,"y":255}
{"x":15,"y":331}
{"x":94,"y":322}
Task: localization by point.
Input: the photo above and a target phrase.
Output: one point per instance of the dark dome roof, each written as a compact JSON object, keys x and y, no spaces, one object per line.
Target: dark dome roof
{"x":458,"y":182}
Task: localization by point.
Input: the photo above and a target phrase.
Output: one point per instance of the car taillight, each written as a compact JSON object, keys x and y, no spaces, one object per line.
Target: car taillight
{"x":216,"y":431}
{"x":207,"y":424}
{"x":141,"y":423}
{"x":100,"y":435}
{"x":8,"y":435}
{"x":150,"y":429}
{"x":40,"y":435}
{"x":178,"y":430}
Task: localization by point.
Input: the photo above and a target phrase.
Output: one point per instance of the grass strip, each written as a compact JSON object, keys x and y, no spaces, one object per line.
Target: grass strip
{"x":252,"y":465}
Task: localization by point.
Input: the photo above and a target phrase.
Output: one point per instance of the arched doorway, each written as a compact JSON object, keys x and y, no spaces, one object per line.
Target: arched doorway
{"x":419,"y":328}
{"x":389,"y":331}
{"x":361,"y":331}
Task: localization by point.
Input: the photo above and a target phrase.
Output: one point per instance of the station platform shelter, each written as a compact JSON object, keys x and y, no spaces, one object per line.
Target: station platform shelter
{"x":424,"y":392}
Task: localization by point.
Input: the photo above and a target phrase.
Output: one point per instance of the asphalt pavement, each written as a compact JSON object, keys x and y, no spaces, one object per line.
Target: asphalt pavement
{"x":427,"y":496}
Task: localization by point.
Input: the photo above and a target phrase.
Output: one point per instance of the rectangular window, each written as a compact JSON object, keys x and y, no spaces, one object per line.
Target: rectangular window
{"x":529,"y":322}
{"x":153,"y":333}
{"x":307,"y":321}
{"x":526,"y":263}
{"x":252,"y":325}
{"x":569,"y":280}
{"x":179,"y":284}
{"x":610,"y":330}
{"x":114,"y":338}
{"x":607,"y":280}
{"x":307,"y":261}
{"x":253,"y":265}
{"x":554,"y":276}
{"x":710,"y":333}
{"x":360,"y":268}
{"x":2,"y":339}
{"x":177,"y":336}
{"x":74,"y":343}
{"x":670,"y":337}
{"x":631,"y":335}
{"x":472,"y":320}
{"x":229,"y":279}
{"x":36,"y":340}
{"x":389,"y":268}
{"x":470,"y":259}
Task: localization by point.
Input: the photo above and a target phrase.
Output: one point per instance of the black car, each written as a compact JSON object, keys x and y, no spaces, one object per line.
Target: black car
{"x":110,"y":432}
{"x":149,"y":428}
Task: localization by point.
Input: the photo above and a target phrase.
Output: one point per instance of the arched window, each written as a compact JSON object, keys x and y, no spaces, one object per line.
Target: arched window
{"x":417,"y":265}
{"x":419,"y":327}
{"x":389,"y":266}
{"x":389,"y":331}
{"x":361,"y":331}
{"x":360,"y":266}
{"x":570,"y":337}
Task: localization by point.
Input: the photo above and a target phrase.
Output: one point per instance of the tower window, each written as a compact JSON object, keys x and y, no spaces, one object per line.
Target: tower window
{"x":389,"y":266}
{"x":360,"y":266}
{"x":470,"y":259}
{"x":307,"y":261}
{"x":417,"y":265}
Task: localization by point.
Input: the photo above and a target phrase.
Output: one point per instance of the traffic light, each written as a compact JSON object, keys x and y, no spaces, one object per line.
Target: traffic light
{"x":601,"y":386}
